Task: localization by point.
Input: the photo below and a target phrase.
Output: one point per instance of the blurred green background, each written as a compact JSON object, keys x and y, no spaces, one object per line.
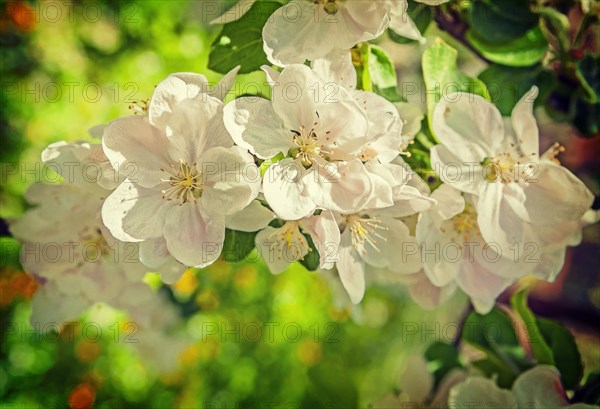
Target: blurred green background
{"x":67,"y":67}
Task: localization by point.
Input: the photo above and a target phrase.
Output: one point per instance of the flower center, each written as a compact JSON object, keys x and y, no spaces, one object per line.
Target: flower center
{"x":294,"y":243}
{"x":503,"y":167}
{"x":364,"y":231}
{"x":95,"y":244}
{"x":140,"y":107}
{"x":465,"y":224}
{"x":185,"y":183}
{"x":329,"y":6}
{"x":307,"y":147}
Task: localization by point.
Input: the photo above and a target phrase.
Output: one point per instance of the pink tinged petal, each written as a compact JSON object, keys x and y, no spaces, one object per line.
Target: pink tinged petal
{"x":540,"y":387}
{"x":325,"y":234}
{"x":231,"y":179}
{"x":464,"y":176}
{"x":440,"y":270}
{"x":283,"y":186}
{"x":351,"y":269}
{"x":133,"y":213}
{"x":552,"y":195}
{"x":481,"y":285}
{"x":428,"y":295}
{"x":292,"y":35}
{"x":344,"y":188}
{"x":469,"y":126}
{"x":193,"y":237}
{"x":254,"y":125}
{"x":137,"y":149}
{"x":170,"y":92}
{"x":252,"y":218}
{"x":337,"y":67}
{"x":525,"y":125}
{"x":195,"y":126}
{"x":480,"y":392}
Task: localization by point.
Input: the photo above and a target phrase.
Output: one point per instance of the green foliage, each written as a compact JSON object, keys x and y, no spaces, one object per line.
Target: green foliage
{"x":495,"y":335}
{"x":312,"y":259}
{"x":237,"y":245}
{"x":500,"y":21}
{"x":444,"y":357}
{"x":590,"y":391}
{"x":508,"y":84}
{"x":382,"y":74}
{"x":442,"y":76}
{"x":523,"y":51}
{"x":564,"y":349}
{"x":241,"y":42}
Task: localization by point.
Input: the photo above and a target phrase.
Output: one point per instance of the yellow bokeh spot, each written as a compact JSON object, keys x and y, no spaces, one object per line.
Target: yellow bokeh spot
{"x":310,"y":353}
{"x":187,"y":284}
{"x":87,"y":351}
{"x":245,"y":277}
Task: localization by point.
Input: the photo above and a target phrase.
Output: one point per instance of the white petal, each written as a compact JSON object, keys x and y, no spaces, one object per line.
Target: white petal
{"x":136,"y":149}
{"x":271,"y":74}
{"x":337,"y":67}
{"x":252,"y":218}
{"x":552,"y":196}
{"x":468,"y":125}
{"x":193,"y":237}
{"x":194,"y":127}
{"x":402,"y":24}
{"x":223,"y":87}
{"x":254,"y":125}
{"x":351,"y":269}
{"x":466,"y":176}
{"x":231,"y":179}
{"x":325,"y":234}
{"x":344,"y":188}
{"x":450,"y":201}
{"x":133,"y":213}
{"x":171,"y":91}
{"x":479,"y":392}
{"x":283,"y":186}
{"x":416,"y":380}
{"x":525,"y":126}
{"x":481,"y":285}
{"x":291,"y":35}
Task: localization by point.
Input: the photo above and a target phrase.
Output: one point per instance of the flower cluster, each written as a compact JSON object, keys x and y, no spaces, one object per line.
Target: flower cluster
{"x":317,"y":167}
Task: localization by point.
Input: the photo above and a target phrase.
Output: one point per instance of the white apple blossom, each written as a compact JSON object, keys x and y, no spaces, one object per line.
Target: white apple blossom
{"x":281,"y":246}
{"x":326,"y":136}
{"x":310,"y":29}
{"x":520,"y":193}
{"x":188,"y":177}
{"x":539,"y":387}
{"x":376,"y":238}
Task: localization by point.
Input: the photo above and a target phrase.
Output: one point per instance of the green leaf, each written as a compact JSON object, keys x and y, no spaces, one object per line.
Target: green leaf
{"x":566,"y":354}
{"x":444,"y":357}
{"x":520,"y":52}
{"x":421,"y":15}
{"x":588,"y":73}
{"x":492,"y":369}
{"x":541,"y":350}
{"x":494,"y":334}
{"x":241,"y":41}
{"x":331,"y":384}
{"x":237,"y":245}
{"x":590,"y":391}
{"x":382,"y":74}
{"x":312,"y":259}
{"x":508,"y":84}
{"x":499,"y":21}
{"x":442,"y":76}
